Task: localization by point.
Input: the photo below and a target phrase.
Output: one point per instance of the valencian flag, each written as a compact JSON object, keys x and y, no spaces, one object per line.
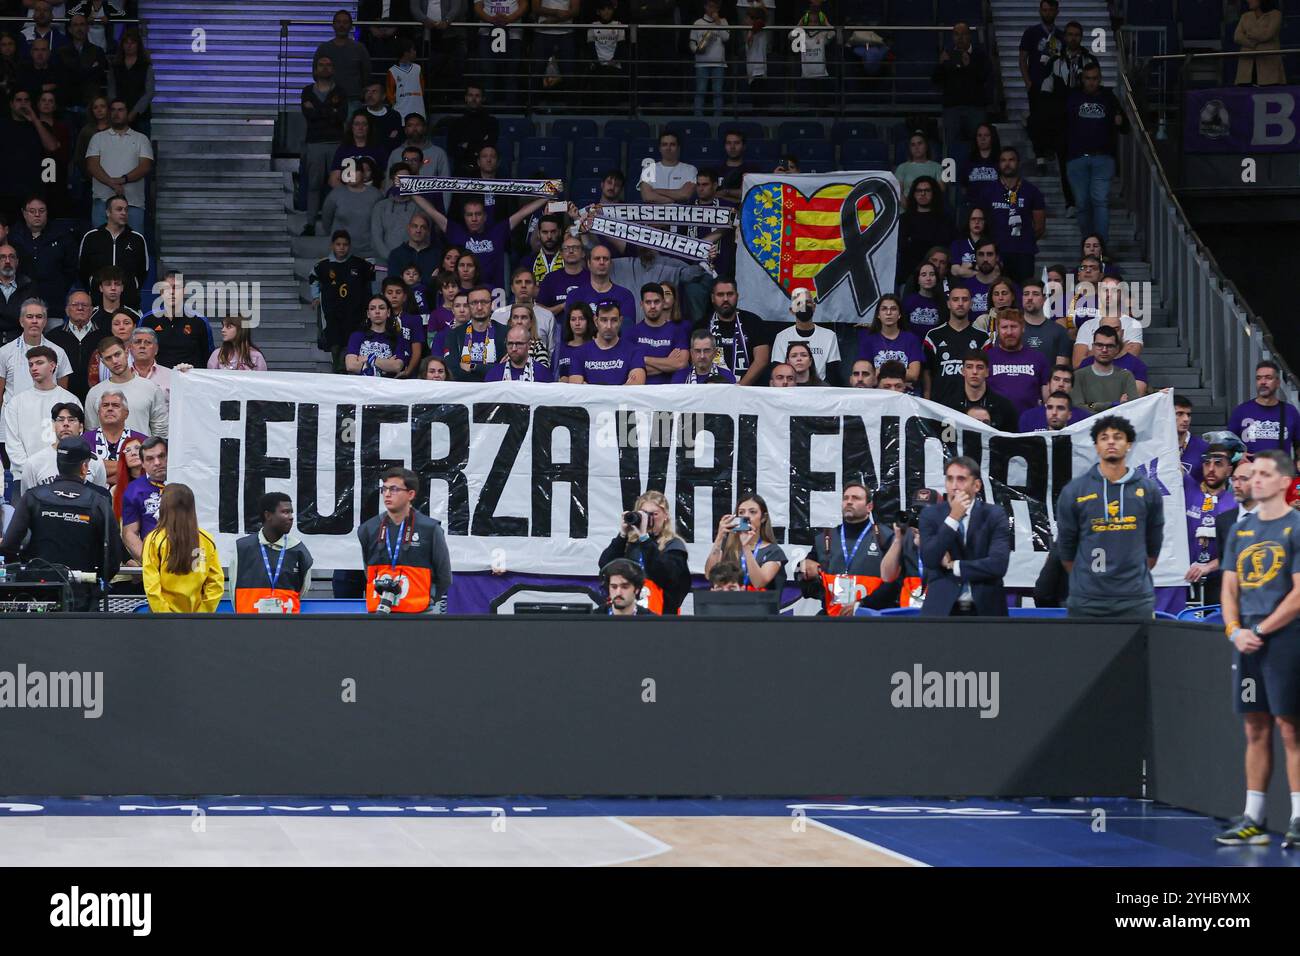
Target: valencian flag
{"x":833,"y":235}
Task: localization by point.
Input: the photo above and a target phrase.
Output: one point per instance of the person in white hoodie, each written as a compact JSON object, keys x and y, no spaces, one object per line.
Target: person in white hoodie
{"x":29,"y":426}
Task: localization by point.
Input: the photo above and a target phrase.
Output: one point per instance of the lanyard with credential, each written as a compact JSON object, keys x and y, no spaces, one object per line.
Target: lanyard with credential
{"x":266,"y":562}
{"x":396,"y":548}
{"x":844,"y":546}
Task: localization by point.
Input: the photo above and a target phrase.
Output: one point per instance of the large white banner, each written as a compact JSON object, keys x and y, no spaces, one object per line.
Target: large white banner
{"x":534,"y":477}
{"x":829,"y":237}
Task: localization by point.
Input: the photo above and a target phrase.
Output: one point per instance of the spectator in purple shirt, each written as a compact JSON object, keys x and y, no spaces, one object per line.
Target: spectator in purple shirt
{"x":412,"y":326}
{"x":975,"y":229}
{"x":888,"y":339}
{"x":704,"y":369}
{"x":1266,"y":422}
{"x":143,"y":495}
{"x":608,"y":359}
{"x":926,"y":307}
{"x":665,"y":345}
{"x":1053,"y":415}
{"x":1019,"y":215}
{"x":518,"y":365}
{"x":554,"y":291}
{"x":488,"y":241}
{"x":1016,"y":373}
{"x":600,"y":287}
{"x":379,"y":348}
{"x":577,"y":329}
{"x":1190,"y":447}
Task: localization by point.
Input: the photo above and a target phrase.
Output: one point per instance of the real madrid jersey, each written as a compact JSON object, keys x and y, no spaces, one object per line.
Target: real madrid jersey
{"x":1264,"y":555}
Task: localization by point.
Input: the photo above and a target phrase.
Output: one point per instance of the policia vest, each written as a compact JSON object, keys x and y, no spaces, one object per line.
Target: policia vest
{"x":253,"y":582}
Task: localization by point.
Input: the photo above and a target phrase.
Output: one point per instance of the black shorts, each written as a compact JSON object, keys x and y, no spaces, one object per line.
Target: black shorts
{"x":1274,"y":675}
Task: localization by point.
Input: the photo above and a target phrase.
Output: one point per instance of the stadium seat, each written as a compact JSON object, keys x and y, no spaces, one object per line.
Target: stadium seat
{"x":514,"y":127}
{"x":626,"y":129}
{"x":586,"y":167}
{"x":1201,"y":21}
{"x":638,"y":149}
{"x":800,"y":129}
{"x":845,"y":130}
{"x":632,"y":188}
{"x":811,"y":151}
{"x":1037,"y":611}
{"x":864,"y":154}
{"x":603,"y":147}
{"x":702,"y":153}
{"x":690,"y":129}
{"x":573,"y":129}
{"x":751,"y":130}
{"x":1210,"y":613}
{"x":816,"y":165}
{"x":866,"y":612}
{"x":763,"y":151}
{"x":585,"y":190}
{"x":505,"y":149}
{"x":543,"y":146}
{"x":901,"y":612}
{"x":541,"y":167}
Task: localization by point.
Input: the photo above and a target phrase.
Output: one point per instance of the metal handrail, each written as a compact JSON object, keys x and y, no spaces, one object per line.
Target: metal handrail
{"x":1227,"y":337}
{"x":1212,"y":54}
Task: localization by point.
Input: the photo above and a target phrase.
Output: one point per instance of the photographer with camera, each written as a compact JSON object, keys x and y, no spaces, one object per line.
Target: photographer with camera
{"x":845,"y":567}
{"x":71,"y":523}
{"x":746,"y":539}
{"x":966,"y":547}
{"x":903,"y":559}
{"x":622,"y":581}
{"x":408,"y":568}
{"x":647,"y":538}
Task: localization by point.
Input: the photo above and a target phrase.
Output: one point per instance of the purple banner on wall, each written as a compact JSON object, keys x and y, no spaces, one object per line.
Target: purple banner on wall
{"x":1242,"y":120}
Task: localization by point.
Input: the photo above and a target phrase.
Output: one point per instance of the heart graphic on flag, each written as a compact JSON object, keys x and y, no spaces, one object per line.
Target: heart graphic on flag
{"x":793,"y":237}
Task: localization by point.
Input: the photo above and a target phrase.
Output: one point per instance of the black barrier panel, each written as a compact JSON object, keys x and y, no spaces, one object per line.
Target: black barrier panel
{"x":1197,"y":742}
{"x":563,"y":706}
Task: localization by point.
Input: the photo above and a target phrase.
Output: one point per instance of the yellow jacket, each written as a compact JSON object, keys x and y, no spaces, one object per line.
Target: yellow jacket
{"x":194,"y":593}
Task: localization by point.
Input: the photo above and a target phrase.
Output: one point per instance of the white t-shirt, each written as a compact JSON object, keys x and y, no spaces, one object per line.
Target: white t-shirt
{"x":13,"y":367}
{"x":606,"y":37}
{"x":1132,"y":330}
{"x":28,"y":426}
{"x":44,"y":466}
{"x":822,"y":342}
{"x":708,"y":42}
{"x":673,"y":177}
{"x":119,"y":153}
{"x":501,"y":8}
{"x":756,"y":45}
{"x":545,"y":322}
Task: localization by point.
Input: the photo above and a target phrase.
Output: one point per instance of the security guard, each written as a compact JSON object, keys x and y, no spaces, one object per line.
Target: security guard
{"x":71,"y":523}
{"x":270,"y":570}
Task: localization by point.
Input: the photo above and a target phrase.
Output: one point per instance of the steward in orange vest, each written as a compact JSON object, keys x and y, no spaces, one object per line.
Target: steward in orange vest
{"x":271,"y":570}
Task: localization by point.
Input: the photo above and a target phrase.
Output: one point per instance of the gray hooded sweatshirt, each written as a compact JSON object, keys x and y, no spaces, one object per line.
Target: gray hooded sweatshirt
{"x":1109,"y":529}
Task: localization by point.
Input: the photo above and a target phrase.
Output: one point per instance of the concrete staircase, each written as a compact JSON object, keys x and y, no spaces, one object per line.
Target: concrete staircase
{"x":222,"y":209}
{"x":1168,"y":357}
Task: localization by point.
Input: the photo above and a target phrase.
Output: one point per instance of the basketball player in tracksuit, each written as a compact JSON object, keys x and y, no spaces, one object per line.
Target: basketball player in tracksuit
{"x":405,"y":551}
{"x":1261,"y":601}
{"x":1109,"y":528}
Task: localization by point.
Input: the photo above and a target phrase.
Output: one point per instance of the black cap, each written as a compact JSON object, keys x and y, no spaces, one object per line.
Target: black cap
{"x":72,"y":451}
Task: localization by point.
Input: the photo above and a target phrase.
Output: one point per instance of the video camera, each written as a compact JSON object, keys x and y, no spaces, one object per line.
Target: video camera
{"x":637,"y":519}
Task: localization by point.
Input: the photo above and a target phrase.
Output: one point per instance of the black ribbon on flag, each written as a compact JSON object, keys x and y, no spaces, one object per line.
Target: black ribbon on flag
{"x":854,"y":263}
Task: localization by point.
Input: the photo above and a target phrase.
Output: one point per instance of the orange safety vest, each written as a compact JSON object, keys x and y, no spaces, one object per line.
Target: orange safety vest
{"x":417,"y":585}
{"x":910,"y":585}
{"x":863,"y":586}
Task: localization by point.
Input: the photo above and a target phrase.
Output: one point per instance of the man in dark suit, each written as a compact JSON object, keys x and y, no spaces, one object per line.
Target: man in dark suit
{"x":1212,"y":575}
{"x":966,"y":546}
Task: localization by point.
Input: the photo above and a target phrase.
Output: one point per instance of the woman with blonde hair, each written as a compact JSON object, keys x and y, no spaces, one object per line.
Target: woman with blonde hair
{"x":649,"y":537}
{"x":746,"y":539}
{"x":182,"y":570}
{"x":524,"y":317}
